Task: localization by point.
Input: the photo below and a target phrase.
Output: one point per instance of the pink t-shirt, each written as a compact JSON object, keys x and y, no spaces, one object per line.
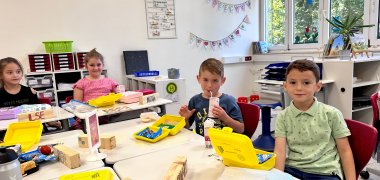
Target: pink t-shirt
{"x":95,"y":88}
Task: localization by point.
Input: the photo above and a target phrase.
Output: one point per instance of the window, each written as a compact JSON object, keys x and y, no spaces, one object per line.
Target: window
{"x":297,"y":24}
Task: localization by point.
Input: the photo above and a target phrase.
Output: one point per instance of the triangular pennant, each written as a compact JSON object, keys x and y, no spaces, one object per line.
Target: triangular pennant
{"x":237,"y":32}
{"x":220,"y":45}
{"x":226,"y":41}
{"x":220,"y":6}
{"x":225,"y":7}
{"x":246,"y":20}
{"x":206,"y":44}
{"x":237,"y":8}
{"x":214,"y":3}
{"x":242,"y":27}
{"x":248,"y":3}
{"x":231,"y":8}
{"x":232,"y":37}
{"x":199,"y":42}
{"x":192,"y":38}
{"x":213,"y":44}
{"x":243,"y":7}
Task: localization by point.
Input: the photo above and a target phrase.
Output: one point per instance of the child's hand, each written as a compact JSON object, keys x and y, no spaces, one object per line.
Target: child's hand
{"x":219,"y":113}
{"x":185,"y":112}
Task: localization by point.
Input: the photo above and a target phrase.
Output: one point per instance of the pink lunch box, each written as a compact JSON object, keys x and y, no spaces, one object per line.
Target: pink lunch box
{"x":145,"y":91}
{"x":9,"y":113}
{"x":130,"y":97}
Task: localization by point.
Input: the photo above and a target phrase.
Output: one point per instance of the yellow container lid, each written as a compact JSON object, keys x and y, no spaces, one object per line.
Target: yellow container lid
{"x":177,"y":121}
{"x":107,"y":100}
{"x":103,"y":174}
{"x":25,"y":133}
{"x":237,"y":150}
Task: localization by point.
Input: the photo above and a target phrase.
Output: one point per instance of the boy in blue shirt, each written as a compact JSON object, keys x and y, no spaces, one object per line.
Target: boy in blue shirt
{"x":227,"y":113}
{"x":316,"y":133}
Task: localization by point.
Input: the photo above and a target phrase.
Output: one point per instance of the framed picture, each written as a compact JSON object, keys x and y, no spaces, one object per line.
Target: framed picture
{"x":160,"y":18}
{"x":92,"y":127}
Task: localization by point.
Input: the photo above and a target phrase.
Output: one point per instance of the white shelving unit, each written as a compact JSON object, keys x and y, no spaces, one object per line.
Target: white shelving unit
{"x":172,"y":89}
{"x":345,"y":89}
{"x":46,"y":83}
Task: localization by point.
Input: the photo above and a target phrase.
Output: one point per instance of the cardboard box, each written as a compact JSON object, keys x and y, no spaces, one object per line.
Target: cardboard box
{"x":67,"y":156}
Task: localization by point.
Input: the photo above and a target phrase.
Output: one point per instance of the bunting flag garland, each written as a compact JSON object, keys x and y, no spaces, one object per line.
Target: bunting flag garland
{"x":224,"y":42}
{"x":226,"y":7}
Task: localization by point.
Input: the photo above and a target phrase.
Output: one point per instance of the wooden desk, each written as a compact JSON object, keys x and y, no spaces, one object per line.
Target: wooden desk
{"x":54,"y":169}
{"x":201,"y":164}
{"x":127,"y":146}
{"x":61,"y":114}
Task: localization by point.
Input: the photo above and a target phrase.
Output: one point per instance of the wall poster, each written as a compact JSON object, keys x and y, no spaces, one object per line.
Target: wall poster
{"x":160,"y":17}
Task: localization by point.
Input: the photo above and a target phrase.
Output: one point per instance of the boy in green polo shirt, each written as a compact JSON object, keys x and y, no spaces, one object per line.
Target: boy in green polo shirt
{"x":316,"y":133}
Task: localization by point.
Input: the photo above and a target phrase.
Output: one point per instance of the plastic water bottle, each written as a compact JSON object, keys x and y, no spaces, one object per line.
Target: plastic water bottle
{"x":209,"y":123}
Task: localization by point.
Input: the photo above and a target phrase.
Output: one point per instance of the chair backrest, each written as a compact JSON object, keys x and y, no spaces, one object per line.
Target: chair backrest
{"x":375,"y":109}
{"x":68,"y":99}
{"x":251,"y":116}
{"x":44,"y":100}
{"x":362,"y":142}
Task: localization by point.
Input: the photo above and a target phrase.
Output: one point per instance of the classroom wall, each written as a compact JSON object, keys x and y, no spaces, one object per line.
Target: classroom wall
{"x":116,"y":25}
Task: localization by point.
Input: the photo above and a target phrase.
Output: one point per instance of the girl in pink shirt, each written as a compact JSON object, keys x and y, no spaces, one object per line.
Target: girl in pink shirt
{"x":93,"y":85}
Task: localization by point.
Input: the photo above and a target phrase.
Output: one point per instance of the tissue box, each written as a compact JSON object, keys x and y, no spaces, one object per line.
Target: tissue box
{"x":9,"y":113}
{"x":130,"y":97}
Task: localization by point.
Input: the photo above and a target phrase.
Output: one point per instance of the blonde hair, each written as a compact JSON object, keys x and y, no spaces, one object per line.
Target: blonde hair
{"x":6,"y":61}
{"x":212,"y":65}
{"x":93,"y":54}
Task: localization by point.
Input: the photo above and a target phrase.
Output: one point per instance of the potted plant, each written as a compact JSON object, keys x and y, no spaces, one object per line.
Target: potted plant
{"x":347,"y":28}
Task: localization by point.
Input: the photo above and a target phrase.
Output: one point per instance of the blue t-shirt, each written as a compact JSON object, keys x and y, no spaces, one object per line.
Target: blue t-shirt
{"x":200,"y":104}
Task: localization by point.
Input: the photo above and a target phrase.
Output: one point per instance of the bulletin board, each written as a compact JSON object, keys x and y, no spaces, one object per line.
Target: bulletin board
{"x":160,"y":17}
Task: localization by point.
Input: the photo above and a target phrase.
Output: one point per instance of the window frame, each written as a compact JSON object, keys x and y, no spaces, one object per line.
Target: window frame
{"x":370,"y":17}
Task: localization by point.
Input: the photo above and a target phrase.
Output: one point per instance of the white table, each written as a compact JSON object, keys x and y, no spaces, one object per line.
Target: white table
{"x":127,"y":146}
{"x":201,"y":164}
{"x":115,"y":177}
{"x":126,"y":107}
{"x":54,"y":169}
{"x":60,"y":113}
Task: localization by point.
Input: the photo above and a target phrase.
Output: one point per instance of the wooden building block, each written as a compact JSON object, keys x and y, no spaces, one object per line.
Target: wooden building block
{"x":149,"y":98}
{"x":107,"y":141}
{"x":67,"y":156}
{"x":82,"y":141}
{"x":36,"y":115}
{"x":178,"y":169}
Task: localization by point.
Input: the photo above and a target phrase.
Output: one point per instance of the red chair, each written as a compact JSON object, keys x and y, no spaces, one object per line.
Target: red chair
{"x":68,"y":99}
{"x":251,"y":116}
{"x":375,"y":109}
{"x":44,"y":100}
{"x":362,"y":142}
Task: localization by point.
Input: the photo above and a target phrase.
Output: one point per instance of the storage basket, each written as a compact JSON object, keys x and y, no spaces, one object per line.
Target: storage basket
{"x":58,"y":46}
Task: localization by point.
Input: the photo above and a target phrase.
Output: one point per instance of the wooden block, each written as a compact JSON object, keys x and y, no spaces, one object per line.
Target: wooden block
{"x":67,"y":156}
{"x":82,"y":141}
{"x":36,"y":115}
{"x":149,"y":98}
{"x":178,"y":169}
{"x":107,"y":141}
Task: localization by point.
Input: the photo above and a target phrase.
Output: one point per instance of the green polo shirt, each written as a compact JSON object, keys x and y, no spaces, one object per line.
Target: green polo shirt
{"x":310,"y":136}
